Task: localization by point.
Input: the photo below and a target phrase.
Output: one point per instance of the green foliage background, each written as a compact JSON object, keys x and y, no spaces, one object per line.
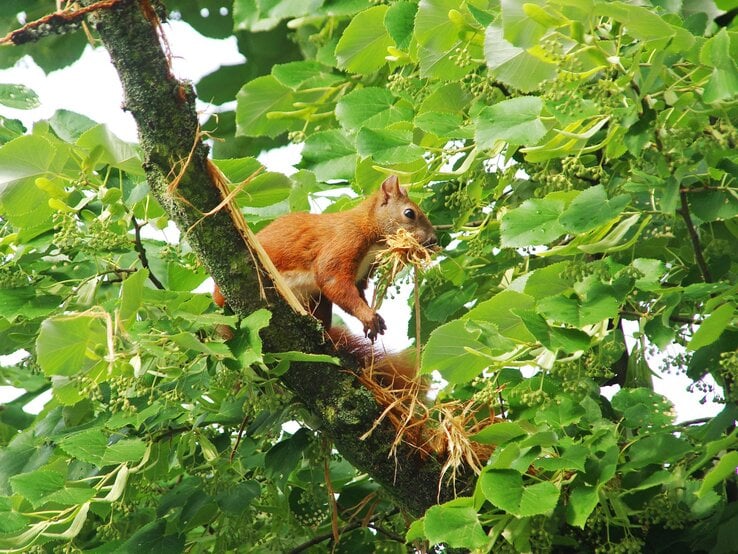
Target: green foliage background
{"x":579,"y":157}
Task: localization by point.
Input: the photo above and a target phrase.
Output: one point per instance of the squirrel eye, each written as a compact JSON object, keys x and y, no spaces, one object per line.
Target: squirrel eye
{"x":408,"y":213}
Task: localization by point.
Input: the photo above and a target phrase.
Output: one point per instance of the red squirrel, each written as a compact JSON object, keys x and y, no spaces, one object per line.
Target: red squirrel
{"x":326,"y":258}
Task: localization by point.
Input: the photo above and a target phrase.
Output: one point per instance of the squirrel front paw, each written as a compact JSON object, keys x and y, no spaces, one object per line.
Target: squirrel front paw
{"x":374,"y":327}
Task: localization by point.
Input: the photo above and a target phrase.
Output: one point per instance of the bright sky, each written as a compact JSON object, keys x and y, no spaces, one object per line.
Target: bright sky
{"x":91,"y":87}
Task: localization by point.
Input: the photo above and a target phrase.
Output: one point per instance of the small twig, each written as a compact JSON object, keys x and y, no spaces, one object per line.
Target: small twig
{"x":139,"y":247}
{"x":694,"y":237}
{"x":390,"y":535}
{"x":349,"y":527}
{"x":238,"y":438}
{"x":54,"y":23}
{"x":674,"y":318}
{"x":451,"y":227}
{"x":331,"y":492}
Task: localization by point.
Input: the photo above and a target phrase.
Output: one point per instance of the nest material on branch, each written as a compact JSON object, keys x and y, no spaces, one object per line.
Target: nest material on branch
{"x":441,"y":429}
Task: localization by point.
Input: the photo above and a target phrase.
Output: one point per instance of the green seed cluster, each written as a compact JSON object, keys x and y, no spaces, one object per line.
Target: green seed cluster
{"x":665,"y":510}
{"x":71,"y":234}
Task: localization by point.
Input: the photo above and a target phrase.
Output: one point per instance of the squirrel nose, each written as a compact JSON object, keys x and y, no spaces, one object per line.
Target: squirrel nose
{"x":432,"y":241}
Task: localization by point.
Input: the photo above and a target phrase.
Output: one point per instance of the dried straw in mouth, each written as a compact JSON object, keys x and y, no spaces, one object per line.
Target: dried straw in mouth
{"x":403,"y":250}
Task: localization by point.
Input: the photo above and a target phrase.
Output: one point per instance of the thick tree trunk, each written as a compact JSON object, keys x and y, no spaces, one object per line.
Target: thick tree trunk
{"x":164,"y":110}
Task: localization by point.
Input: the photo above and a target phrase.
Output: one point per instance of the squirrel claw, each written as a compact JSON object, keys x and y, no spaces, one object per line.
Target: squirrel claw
{"x":376,"y":327}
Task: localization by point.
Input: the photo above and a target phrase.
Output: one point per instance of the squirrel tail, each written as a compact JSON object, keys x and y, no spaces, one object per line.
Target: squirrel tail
{"x":396,"y":370}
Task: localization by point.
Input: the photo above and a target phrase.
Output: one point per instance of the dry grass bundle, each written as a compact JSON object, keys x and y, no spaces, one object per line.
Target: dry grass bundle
{"x":441,"y":429}
{"x":402,"y":250}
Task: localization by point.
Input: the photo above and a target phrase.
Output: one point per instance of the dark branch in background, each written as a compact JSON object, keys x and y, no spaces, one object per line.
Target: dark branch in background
{"x":142,"y":253}
{"x":452,"y":227}
{"x":694,"y":238}
{"x":374,"y":524}
{"x":675,"y":318}
{"x":164,"y":110}
{"x":57,"y":23}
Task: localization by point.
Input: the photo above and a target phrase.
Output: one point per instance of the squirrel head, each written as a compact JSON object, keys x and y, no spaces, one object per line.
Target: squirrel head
{"x":395,"y":211}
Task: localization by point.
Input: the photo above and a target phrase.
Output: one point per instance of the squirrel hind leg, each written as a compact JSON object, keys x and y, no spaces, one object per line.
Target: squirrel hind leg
{"x":322,"y":309}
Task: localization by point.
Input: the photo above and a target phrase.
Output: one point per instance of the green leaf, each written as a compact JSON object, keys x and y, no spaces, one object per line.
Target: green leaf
{"x":642,"y":407}
{"x":448,"y":352}
{"x":238,"y":170}
{"x":284,"y":456}
{"x":67,"y":345}
{"x":37,"y":485}
{"x":12,"y":522}
{"x":363,"y":45}
{"x":504,"y":488}
{"x":371,"y":107}
{"x":107,"y":149}
{"x":126,"y":450}
{"x":19,"y":97}
{"x":547,"y":281}
{"x":499,"y":433}
{"x":399,"y":21}
{"x":131,"y":294}
{"x":656,"y":449}
{"x":724,"y":469}
{"x":455,"y":523}
{"x":514,"y":66}
{"x":559,"y":414}
{"x":653,"y":271}
{"x":446,"y":98}
{"x":71,"y":496}
{"x":534,"y":222}
{"x":712,"y":327}
{"x":22,"y":160}
{"x":583,"y":499}
{"x":388,"y":147}
{"x":235,"y":500}
{"x":264,"y":190}
{"x":554,"y":338}
{"x":438,"y":37}
{"x":722,"y":86}
{"x":87,"y":446}
{"x":639,"y":22}
{"x":26,"y":302}
{"x":516,"y":121}
{"x":330,"y":155}
{"x":591,"y":209}
{"x":572,"y":458}
{"x":443,"y":124}
{"x":153,"y":537}
{"x":500,"y":310}
{"x":256,"y":100}
{"x":304,"y":74}
{"x":716,"y":51}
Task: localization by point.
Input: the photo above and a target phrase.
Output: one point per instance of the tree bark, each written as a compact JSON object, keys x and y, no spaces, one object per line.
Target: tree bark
{"x":164,"y":111}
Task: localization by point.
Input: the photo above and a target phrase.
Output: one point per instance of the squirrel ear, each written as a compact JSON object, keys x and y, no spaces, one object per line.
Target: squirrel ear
{"x":391,"y":188}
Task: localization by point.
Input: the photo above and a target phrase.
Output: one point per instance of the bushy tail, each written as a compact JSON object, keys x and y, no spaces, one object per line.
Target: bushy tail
{"x":396,"y":370}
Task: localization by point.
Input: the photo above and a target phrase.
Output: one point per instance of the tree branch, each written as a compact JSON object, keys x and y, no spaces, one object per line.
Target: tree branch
{"x":350,"y":527}
{"x":139,"y":247}
{"x":57,"y":23}
{"x":164,"y":110}
{"x":694,"y":238}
